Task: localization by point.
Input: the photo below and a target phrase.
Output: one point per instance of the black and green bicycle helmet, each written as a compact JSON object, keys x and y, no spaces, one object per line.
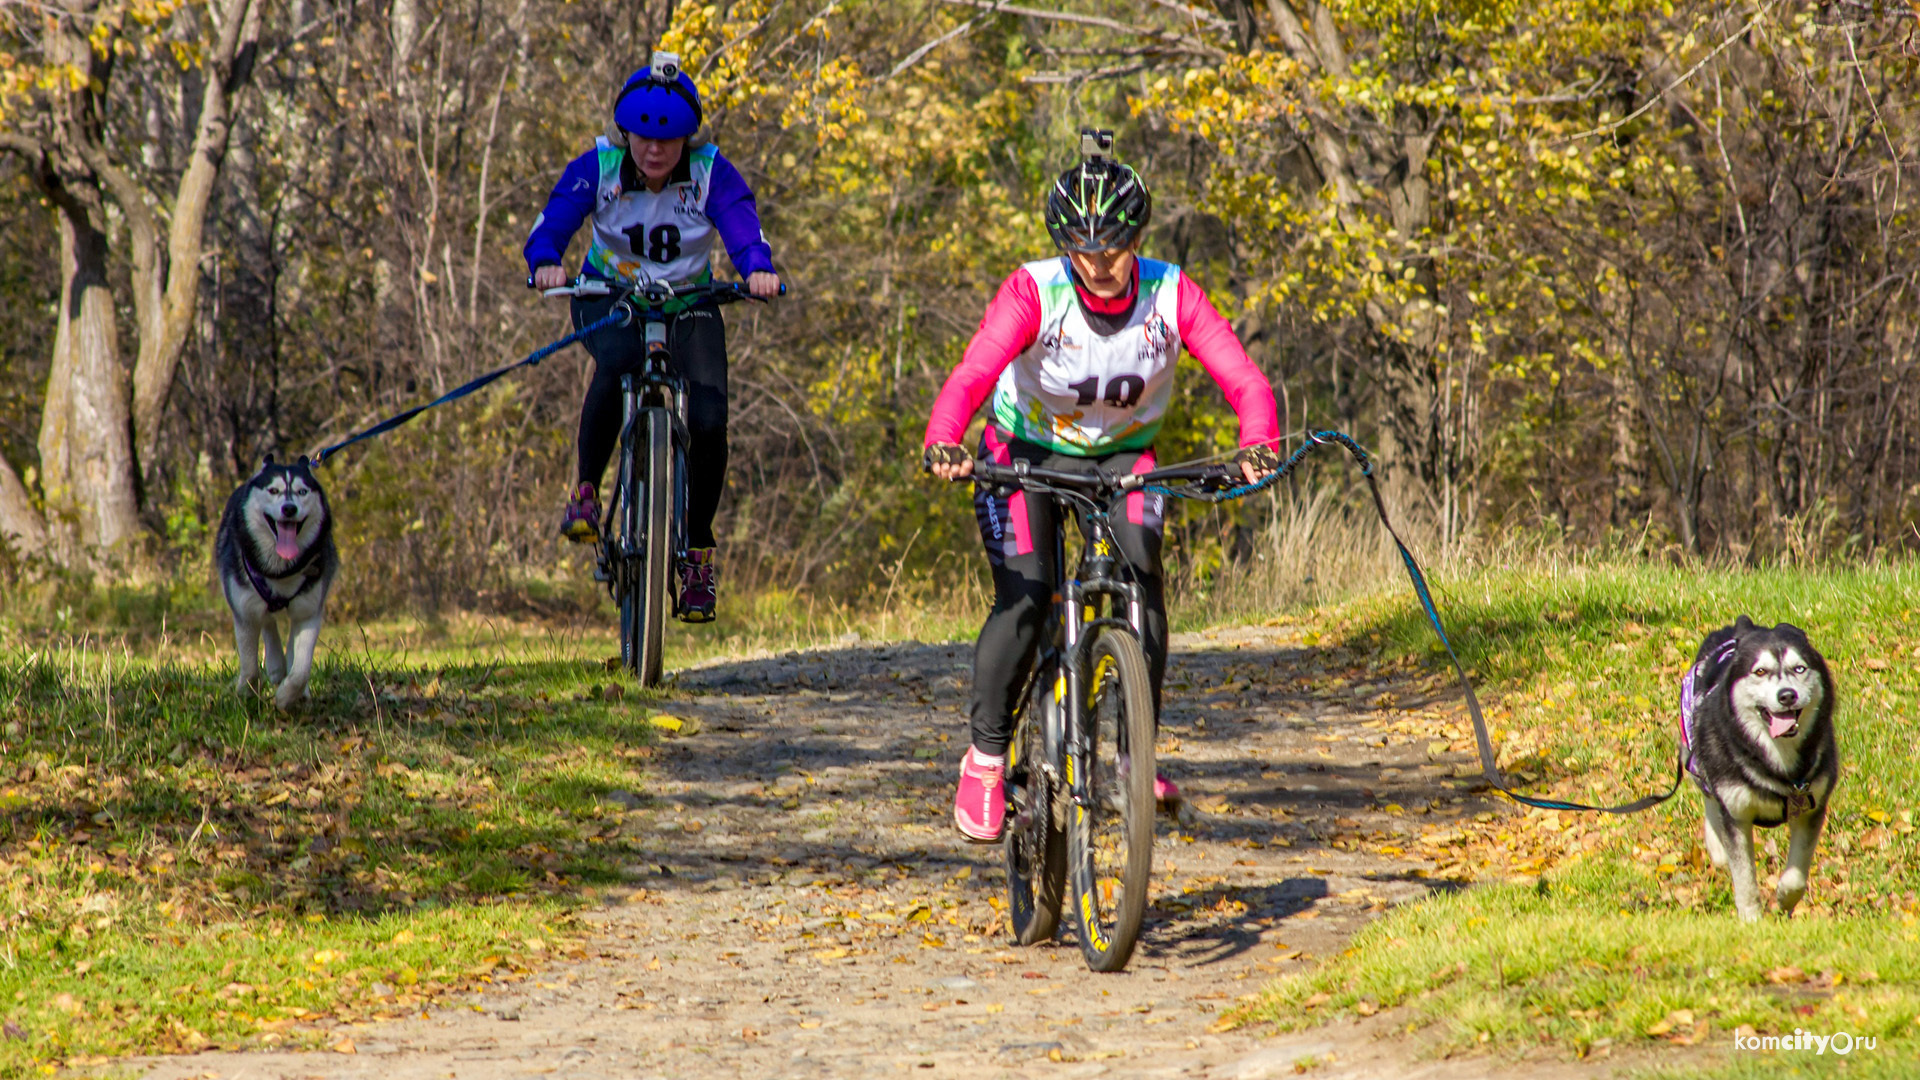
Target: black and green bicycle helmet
{"x":1099,"y":204}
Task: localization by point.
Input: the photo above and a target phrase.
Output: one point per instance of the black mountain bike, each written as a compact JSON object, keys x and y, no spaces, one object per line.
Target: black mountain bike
{"x":644,"y":536}
{"x":1080,"y":769}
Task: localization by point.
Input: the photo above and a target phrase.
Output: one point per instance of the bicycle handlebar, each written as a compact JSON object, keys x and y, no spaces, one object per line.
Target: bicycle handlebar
{"x":1094,"y":483}
{"x":655,"y":295}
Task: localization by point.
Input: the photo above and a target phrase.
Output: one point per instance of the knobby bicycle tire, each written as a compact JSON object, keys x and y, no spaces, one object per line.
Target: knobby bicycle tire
{"x":623,"y":547}
{"x":1036,"y":845}
{"x":655,"y":570}
{"x":1119,"y":719}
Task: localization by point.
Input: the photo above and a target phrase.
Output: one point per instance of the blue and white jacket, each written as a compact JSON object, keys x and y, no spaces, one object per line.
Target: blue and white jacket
{"x":641,"y":236}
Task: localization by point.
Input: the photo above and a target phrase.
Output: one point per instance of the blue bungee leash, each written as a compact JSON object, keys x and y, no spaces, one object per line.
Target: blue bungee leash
{"x":1489,"y":768}
{"x":618,"y":317}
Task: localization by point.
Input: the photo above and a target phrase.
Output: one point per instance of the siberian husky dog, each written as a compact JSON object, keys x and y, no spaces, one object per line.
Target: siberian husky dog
{"x":1756,"y":721}
{"x":274,"y":553}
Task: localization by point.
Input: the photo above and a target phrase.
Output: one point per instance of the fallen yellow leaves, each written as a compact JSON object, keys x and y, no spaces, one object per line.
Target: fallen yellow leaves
{"x":1680,"y":1028}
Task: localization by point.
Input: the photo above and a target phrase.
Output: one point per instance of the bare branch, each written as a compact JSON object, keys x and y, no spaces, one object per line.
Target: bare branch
{"x":1615,"y":125}
{"x":914,"y":56}
{"x":1045,"y":77}
{"x":1197,"y":14}
{"x":1091,"y":20}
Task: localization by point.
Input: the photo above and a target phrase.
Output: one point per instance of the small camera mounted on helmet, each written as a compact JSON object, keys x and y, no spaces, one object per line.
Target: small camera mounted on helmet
{"x":658,"y":102}
{"x":1096,"y":145}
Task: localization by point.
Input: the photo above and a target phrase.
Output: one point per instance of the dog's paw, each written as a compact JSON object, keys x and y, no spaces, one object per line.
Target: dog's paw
{"x":1792,"y":889}
{"x":290,"y":696}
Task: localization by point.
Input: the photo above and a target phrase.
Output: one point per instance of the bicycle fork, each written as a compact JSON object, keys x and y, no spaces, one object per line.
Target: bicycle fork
{"x":1077,"y":629}
{"x":660,"y":389}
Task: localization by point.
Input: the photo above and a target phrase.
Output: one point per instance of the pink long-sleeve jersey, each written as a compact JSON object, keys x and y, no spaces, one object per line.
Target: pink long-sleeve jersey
{"x":1090,"y":392}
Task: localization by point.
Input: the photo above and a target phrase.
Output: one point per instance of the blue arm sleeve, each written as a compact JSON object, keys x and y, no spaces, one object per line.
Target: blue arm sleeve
{"x":731,"y":208}
{"x":567,"y":207}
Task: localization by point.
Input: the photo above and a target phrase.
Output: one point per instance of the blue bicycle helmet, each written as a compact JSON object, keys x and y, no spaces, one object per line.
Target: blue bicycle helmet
{"x":659,"y":101}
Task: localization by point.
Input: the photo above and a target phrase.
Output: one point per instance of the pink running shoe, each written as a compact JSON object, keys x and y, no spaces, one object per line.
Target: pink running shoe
{"x":980,"y":805}
{"x":581,"y":522}
{"x":699,"y":591}
{"x":1165,"y":792}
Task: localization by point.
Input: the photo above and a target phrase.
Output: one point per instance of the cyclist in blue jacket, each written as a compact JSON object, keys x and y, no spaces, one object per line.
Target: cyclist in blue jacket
{"x":658,"y":195}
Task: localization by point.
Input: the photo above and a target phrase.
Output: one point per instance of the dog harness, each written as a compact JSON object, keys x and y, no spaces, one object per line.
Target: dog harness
{"x":1693,"y":689}
{"x":275,"y":602}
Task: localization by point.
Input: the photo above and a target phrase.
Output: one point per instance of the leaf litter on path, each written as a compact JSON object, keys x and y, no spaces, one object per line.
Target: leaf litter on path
{"x":877,"y":941}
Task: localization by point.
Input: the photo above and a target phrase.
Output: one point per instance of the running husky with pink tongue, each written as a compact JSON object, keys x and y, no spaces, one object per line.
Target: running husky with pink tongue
{"x":275,"y":553}
{"x":1756,"y":719}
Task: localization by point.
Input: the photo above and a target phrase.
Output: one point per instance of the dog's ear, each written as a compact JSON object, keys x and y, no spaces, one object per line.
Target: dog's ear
{"x":267,"y":460}
{"x":303,"y":463}
{"x":1742,"y":624}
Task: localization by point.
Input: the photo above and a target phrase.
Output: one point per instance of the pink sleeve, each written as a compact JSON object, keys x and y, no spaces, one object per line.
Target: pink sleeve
{"x":1011,"y":323}
{"x":1211,"y":340}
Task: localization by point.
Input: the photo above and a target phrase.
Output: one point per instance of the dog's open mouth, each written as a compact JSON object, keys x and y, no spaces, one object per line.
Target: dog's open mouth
{"x":1783,"y":725}
{"x":286,"y":538}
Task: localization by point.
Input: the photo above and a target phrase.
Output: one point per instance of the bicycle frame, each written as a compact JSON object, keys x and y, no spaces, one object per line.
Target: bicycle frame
{"x":1069,"y":631}
{"x":656,"y":385}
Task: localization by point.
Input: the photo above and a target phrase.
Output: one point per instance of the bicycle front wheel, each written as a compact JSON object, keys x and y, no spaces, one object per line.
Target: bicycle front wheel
{"x":1110,"y":840}
{"x":644,"y":605}
{"x":1035,"y":842}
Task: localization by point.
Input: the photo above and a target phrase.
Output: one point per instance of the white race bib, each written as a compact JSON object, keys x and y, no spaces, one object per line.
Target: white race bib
{"x":1080,"y":392}
{"x":644,"y":236}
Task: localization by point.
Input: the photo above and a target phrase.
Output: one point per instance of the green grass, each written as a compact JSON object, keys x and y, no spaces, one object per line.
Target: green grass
{"x":1629,"y":940}
{"x":183,"y":866}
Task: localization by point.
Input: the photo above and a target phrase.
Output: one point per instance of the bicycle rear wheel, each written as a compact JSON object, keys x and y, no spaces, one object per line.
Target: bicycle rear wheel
{"x":1110,"y":841}
{"x":644,"y":604}
{"x":1036,"y":844}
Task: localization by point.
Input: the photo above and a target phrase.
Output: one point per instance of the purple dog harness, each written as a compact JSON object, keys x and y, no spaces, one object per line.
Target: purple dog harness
{"x":1693,"y":689}
{"x":275,"y":602}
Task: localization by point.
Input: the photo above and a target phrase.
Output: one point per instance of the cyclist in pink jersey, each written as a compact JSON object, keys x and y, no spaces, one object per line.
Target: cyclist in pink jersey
{"x":1075,"y":360}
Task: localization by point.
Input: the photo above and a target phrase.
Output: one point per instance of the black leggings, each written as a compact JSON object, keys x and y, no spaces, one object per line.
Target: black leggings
{"x":1018,"y":531}
{"x":699,"y":343}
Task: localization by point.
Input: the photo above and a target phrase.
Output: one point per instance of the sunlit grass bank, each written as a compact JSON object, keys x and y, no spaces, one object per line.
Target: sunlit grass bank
{"x":1622,"y":935}
{"x":181,"y":865}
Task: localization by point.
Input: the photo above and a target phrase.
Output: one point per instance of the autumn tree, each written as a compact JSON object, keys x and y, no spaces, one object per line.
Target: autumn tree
{"x":114,"y":104}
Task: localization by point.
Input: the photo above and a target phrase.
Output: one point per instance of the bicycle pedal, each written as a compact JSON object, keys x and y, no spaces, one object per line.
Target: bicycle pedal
{"x":602,"y":572}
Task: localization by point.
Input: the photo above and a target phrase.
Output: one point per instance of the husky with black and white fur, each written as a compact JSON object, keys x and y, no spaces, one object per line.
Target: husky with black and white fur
{"x":1756,"y":718}
{"x":274,"y":553}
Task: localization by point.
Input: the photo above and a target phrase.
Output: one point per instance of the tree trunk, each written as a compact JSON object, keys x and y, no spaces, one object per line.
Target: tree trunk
{"x":1408,"y":336}
{"x":86,"y":453}
{"x":20,"y":526}
{"x":167,"y":299}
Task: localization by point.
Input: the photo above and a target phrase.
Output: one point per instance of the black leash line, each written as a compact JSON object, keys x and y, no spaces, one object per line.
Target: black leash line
{"x":1489,"y":768}
{"x":619,"y":317}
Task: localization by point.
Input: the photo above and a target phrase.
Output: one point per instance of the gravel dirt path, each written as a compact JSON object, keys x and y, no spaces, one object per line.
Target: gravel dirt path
{"x":805,"y":909}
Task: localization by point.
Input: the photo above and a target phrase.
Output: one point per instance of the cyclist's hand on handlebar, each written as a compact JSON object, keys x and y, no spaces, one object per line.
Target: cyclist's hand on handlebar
{"x":549,"y":277}
{"x":948,"y":461}
{"x":763,"y":284}
{"x":1257,"y":462}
